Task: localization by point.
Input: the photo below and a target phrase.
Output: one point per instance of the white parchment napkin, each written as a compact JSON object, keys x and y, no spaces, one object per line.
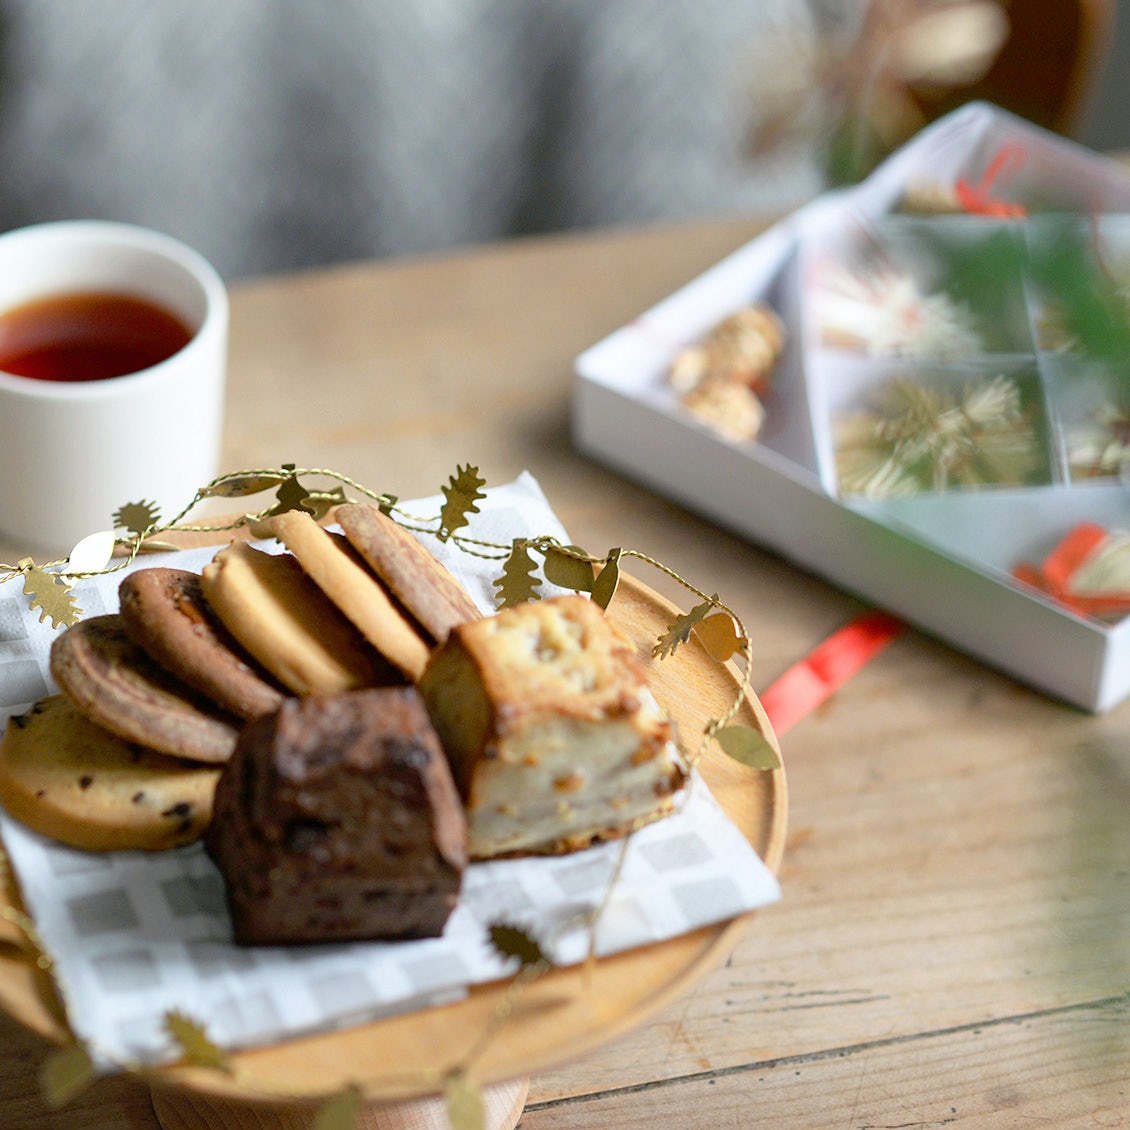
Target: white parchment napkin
{"x":135,"y":935}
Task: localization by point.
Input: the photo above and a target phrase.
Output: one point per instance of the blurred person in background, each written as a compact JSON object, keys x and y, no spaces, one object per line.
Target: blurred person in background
{"x":280,"y":134}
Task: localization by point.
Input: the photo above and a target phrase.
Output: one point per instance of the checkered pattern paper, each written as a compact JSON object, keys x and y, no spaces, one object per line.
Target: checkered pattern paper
{"x":135,"y":935}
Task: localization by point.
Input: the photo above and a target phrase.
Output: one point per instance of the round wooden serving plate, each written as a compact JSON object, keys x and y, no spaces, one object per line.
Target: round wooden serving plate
{"x":561,"y":1015}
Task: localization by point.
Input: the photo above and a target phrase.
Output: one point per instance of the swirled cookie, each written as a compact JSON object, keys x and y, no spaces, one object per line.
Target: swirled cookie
{"x":164,"y":612}
{"x":115,"y":684}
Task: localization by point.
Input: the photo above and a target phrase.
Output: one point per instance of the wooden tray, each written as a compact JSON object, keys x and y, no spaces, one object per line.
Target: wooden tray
{"x":562,"y":1015}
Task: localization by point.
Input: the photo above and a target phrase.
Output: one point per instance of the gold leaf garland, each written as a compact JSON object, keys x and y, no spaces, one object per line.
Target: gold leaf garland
{"x":195,"y":1046}
{"x":341,"y":1112}
{"x":512,"y":941}
{"x":137,"y":517}
{"x":68,"y":1071}
{"x":460,"y":497}
{"x":517,"y":584}
{"x":568,"y":567}
{"x":464,"y":1102}
{"x":680,"y":631}
{"x":50,"y":593}
{"x":64,"y":1074}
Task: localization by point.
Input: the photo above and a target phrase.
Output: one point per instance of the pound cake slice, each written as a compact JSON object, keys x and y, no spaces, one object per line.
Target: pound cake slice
{"x":337,"y":819}
{"x":554,"y":738}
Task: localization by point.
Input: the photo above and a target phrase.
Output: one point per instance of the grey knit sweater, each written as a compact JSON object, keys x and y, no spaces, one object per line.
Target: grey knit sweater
{"x":281,"y":133}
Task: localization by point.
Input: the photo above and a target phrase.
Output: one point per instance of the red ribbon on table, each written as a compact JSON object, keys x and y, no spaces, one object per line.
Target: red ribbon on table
{"x":805,"y":685}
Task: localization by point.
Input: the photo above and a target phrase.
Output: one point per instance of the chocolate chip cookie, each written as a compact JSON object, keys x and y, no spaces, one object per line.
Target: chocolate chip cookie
{"x":69,"y":779}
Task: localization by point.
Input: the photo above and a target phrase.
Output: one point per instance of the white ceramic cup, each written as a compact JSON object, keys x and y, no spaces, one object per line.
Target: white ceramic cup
{"x":73,"y":453}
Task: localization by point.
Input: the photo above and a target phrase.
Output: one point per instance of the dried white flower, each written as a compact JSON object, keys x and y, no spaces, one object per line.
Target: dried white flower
{"x":883,"y":312}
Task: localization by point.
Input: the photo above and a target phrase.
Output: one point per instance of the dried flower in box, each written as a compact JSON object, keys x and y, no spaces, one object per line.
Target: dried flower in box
{"x":914,"y":438}
{"x":1100,"y":446}
{"x":883,"y":312}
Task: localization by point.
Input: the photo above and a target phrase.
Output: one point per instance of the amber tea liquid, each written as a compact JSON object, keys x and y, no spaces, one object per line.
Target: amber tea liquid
{"x":87,"y":337}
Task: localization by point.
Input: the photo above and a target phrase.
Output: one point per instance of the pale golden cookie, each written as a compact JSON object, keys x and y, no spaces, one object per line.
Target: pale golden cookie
{"x":354,"y":590}
{"x":68,"y":779}
{"x":416,"y":578}
{"x":287,"y":623}
{"x":118,"y":686}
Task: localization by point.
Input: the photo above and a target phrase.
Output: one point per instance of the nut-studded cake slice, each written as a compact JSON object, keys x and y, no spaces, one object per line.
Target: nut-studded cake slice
{"x":554,"y":738}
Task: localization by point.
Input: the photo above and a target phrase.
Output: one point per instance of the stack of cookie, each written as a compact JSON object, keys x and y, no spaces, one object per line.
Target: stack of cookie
{"x":153,"y":698}
{"x":342,"y":726}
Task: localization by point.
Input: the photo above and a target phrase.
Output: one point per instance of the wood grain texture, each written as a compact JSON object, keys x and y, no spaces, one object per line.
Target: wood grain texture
{"x":995,"y":1076}
{"x":953,"y":947}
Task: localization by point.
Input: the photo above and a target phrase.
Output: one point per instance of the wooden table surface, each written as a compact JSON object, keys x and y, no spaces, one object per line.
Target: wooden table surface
{"x":953,"y":946}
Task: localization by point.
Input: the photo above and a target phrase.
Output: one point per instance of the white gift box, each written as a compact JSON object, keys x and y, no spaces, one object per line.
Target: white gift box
{"x":940,"y":559}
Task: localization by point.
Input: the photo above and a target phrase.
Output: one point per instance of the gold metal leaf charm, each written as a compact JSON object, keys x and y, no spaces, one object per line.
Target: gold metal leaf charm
{"x":680,"y":631}
{"x":240,"y":486}
{"x":718,"y":634}
{"x":194,"y":1043}
{"x":460,"y":497}
{"x":511,"y":941}
{"x":137,"y":517}
{"x":291,"y":495}
{"x":464,"y":1103}
{"x":342,"y":1112}
{"x":321,"y":503}
{"x":50,"y":594}
{"x":517,"y":583}
{"x":91,"y":555}
{"x":747,"y":745}
{"x":607,"y":580}
{"x":64,"y":1074}
{"x":569,"y":568}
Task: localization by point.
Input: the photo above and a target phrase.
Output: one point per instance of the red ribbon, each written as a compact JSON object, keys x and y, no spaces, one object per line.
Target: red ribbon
{"x":977,"y":198}
{"x":1055,"y":575}
{"x":805,"y":685}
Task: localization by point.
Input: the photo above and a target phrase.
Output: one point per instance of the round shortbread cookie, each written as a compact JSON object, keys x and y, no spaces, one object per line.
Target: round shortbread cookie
{"x":288,"y":624}
{"x":354,"y":590}
{"x":68,"y":779}
{"x":164,"y":611}
{"x":419,"y":580}
{"x":116,"y":685}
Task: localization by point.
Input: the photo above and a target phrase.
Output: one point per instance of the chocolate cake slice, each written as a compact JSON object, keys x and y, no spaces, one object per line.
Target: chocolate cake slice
{"x":337,"y":819}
